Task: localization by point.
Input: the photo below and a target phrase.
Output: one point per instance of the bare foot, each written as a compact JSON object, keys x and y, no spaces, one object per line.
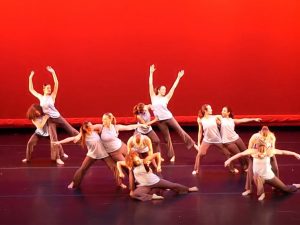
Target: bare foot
{"x":234,"y":171}
{"x":193,"y":189}
{"x":297,"y":185}
{"x":71,"y":185}
{"x":157,"y":197}
{"x":65,"y":156}
{"x":247,"y":192}
{"x":25,"y":161}
{"x":262,"y":197}
{"x":172,"y":159}
{"x":123,"y":186}
{"x":194,"y":172}
{"x":60,"y":162}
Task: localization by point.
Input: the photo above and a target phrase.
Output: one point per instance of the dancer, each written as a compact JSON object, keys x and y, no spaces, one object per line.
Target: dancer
{"x":230,"y":138}
{"x":90,"y":138}
{"x":262,"y":168}
{"x":148,"y":184}
{"x":142,"y":145}
{"x":109,"y":132}
{"x":142,"y":115}
{"x":39,"y":119}
{"x":207,"y":124}
{"x":160,"y":100}
{"x":269,"y":138}
{"x":47,"y":101}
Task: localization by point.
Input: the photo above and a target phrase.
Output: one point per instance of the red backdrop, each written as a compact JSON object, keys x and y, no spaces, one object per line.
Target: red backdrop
{"x":239,"y":53}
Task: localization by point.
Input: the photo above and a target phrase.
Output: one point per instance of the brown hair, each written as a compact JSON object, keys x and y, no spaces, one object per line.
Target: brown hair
{"x":129,"y":158}
{"x":83,"y":131}
{"x":31,"y":112}
{"x":229,"y":110}
{"x":137,"y":109}
{"x":156,"y":89}
{"x":201,"y":112}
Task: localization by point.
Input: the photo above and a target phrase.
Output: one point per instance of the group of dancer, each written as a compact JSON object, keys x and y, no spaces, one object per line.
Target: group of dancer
{"x":140,"y":158}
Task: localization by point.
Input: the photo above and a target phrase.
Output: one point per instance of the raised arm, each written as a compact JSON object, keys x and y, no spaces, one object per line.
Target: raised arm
{"x":151,"y":88}
{"x":171,"y":92}
{"x":246,"y":120}
{"x":31,"y":89}
{"x":244,"y":153}
{"x":40,"y":124}
{"x":55,"y":89}
{"x":286,"y":152}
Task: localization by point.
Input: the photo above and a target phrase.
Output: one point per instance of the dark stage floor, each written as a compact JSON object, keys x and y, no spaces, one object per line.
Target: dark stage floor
{"x":37,"y":193}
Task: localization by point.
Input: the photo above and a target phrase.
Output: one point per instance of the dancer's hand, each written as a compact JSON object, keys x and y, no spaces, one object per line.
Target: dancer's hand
{"x":297,"y":156}
{"x":227,"y":162}
{"x":180,"y":73}
{"x":121,"y":175}
{"x":152,"y":68}
{"x":50,"y":69}
{"x":31,"y":74}
{"x":55,"y":142}
{"x":258,"y":120}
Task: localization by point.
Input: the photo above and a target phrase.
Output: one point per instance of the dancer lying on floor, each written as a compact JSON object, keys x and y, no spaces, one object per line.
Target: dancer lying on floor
{"x":262,"y":170}
{"x":149,"y":186}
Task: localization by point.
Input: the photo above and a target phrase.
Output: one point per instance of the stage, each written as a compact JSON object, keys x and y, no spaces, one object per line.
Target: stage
{"x":36,"y":193}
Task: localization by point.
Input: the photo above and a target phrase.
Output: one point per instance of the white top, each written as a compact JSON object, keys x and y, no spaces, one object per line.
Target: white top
{"x":262,"y":167}
{"x":140,"y":148}
{"x":143,"y":177}
{"x":110,"y":140}
{"x":47,"y":104}
{"x":147,"y":118}
{"x":211,"y":132}
{"x":227,"y":130}
{"x":95,"y":147}
{"x":41,"y":131}
{"x":160,"y":110}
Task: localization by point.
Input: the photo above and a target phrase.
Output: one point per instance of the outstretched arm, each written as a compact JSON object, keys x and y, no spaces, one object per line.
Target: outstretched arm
{"x":129,"y":127}
{"x":151,"y":88}
{"x":286,"y":152}
{"x":244,"y":153}
{"x":31,"y":89}
{"x":171,"y":92}
{"x":55,"y":89}
{"x":69,"y":139}
{"x":246,"y":120}
{"x":41,"y":124}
